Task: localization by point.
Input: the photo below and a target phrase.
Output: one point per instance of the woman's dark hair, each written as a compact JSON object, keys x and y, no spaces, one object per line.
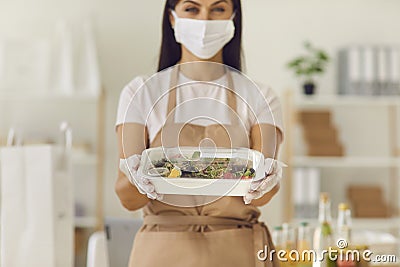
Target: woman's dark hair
{"x":170,"y":52}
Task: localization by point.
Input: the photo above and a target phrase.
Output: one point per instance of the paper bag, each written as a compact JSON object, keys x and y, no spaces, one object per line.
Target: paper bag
{"x":36,"y":207}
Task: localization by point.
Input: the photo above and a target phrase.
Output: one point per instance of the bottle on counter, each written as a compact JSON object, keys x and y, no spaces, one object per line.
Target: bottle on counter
{"x":344,"y":223}
{"x":288,"y":237}
{"x":344,"y":235}
{"x":277,"y":237}
{"x":289,"y":244}
{"x":323,"y":234}
{"x":304,"y":243}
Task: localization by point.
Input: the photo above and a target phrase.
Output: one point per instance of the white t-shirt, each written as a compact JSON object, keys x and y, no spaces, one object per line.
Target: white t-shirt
{"x":145,"y":100}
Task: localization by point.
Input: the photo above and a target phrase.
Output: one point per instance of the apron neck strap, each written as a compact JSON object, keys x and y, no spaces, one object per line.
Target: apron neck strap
{"x":231,"y":97}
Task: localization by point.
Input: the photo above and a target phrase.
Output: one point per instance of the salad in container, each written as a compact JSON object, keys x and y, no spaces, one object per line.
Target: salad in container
{"x":202,"y":171}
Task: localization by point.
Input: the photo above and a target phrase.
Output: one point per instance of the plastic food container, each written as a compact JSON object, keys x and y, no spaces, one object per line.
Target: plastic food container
{"x":204,"y":171}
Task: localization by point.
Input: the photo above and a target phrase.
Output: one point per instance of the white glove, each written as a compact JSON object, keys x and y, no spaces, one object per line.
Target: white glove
{"x":273,"y":175}
{"x":129,"y":167}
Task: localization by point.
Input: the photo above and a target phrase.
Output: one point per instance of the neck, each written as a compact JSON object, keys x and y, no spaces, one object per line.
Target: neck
{"x":207,"y":70}
{"x":324,"y":212}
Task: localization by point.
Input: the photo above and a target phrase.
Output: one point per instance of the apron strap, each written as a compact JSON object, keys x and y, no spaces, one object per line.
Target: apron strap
{"x":192,"y":220}
{"x":173,"y":85}
{"x":231,"y":96}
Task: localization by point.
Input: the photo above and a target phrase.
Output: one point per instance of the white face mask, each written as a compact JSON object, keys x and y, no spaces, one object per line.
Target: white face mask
{"x":204,"y":38}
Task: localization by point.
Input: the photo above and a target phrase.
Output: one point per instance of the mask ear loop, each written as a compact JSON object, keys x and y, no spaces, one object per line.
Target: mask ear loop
{"x":174,"y":15}
{"x":233,"y":15}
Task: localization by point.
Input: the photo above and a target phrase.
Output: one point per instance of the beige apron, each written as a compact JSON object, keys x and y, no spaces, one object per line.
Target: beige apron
{"x":223,"y":233}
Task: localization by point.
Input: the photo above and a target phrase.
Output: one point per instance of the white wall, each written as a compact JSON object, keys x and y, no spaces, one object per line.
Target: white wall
{"x":128,"y":37}
{"x":275,"y":30}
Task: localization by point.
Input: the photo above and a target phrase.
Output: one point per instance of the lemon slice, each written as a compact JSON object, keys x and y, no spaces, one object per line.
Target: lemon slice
{"x":175,"y":172}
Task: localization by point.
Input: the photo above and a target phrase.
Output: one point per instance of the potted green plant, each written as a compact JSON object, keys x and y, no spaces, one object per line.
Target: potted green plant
{"x":308,"y":66}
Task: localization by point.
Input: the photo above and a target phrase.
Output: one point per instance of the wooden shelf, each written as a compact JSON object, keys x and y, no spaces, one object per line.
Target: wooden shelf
{"x":377,"y":223}
{"x":89,"y":159}
{"x":40,"y":96}
{"x":85,"y":221}
{"x":329,"y":101}
{"x":346,"y":161}
{"x":362,"y":223}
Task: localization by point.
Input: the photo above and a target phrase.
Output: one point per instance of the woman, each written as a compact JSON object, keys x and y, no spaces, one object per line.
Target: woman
{"x":184,"y":230}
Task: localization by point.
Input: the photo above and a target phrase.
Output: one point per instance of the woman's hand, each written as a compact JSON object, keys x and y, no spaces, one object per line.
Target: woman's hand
{"x":273,"y":175}
{"x":129,"y":167}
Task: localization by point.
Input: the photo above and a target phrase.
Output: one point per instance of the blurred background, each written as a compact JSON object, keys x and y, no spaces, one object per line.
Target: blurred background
{"x":69,"y":60}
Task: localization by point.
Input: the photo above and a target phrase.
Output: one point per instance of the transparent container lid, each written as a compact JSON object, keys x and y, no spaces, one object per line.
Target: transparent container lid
{"x":203,"y":163}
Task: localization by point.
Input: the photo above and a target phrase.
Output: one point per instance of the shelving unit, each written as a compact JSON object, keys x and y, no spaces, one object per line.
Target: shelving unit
{"x":366,"y":162}
{"x":390,"y":162}
{"x":54,"y":78}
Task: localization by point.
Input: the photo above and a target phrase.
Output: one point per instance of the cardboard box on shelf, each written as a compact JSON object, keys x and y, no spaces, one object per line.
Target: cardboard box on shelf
{"x":320,"y":135}
{"x":315,"y":117}
{"x":362,"y":193}
{"x":368,"y":201}
{"x":326,"y":149}
{"x":317,"y":134}
{"x":377,"y":210}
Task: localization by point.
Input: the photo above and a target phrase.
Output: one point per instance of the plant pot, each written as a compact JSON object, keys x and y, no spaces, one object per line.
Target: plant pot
{"x":309,"y":88}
